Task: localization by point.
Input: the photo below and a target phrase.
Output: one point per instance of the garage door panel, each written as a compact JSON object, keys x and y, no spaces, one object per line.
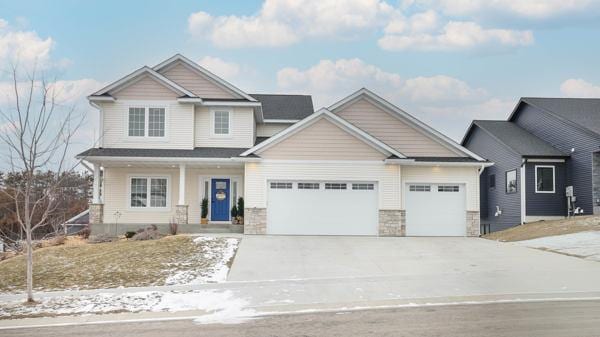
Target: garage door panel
{"x":322,"y":211}
{"x":435,"y":210}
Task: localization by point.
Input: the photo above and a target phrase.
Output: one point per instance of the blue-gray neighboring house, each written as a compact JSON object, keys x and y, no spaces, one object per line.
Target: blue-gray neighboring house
{"x":545,"y":145}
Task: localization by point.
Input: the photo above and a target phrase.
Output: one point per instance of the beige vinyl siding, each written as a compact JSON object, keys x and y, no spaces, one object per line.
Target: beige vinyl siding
{"x":179,"y":129}
{"x":392,"y":130}
{"x":146,"y":88}
{"x":387,"y":177}
{"x":195,"y":82}
{"x":241,"y":121}
{"x":446,"y":174}
{"x":322,"y":140}
{"x":116,"y":193}
{"x":270,"y":129}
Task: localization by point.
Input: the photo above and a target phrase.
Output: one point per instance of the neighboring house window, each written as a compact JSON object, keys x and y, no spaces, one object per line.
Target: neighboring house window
{"x":154,"y":121}
{"x":221,"y":120}
{"x":492,"y":181}
{"x":544,"y":179}
{"x":511,"y":181}
{"x":137,"y":122}
{"x":144,"y":188}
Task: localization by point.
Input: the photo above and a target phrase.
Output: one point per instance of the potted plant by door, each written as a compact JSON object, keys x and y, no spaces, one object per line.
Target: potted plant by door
{"x":234,"y":214}
{"x":204,"y":211}
{"x":240,"y":211}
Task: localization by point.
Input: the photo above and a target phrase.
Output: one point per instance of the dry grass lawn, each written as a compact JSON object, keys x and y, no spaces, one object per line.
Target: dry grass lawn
{"x":540,"y":229}
{"x":108,"y":265}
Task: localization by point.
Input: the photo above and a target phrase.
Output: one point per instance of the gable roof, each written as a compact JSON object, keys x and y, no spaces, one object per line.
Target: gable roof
{"x":324,"y":113}
{"x":515,"y":138}
{"x":130,"y":79}
{"x":406,"y":117}
{"x":216,"y":79}
{"x":285,"y":107}
{"x":581,"y":112}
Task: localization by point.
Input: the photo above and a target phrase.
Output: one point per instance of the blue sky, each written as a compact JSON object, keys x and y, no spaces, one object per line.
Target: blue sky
{"x":443,"y":62}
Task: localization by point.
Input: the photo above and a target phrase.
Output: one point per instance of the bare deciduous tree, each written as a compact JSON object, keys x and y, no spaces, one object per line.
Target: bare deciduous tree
{"x":37,"y":130}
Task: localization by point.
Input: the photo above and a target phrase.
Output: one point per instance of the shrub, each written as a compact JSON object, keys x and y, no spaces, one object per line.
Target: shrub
{"x":173,"y":226}
{"x":240,"y":207}
{"x":150,"y":233}
{"x":100,"y":238}
{"x":85,"y":232}
{"x":234,"y":212}
{"x":204,"y":208}
{"x":129,"y":234}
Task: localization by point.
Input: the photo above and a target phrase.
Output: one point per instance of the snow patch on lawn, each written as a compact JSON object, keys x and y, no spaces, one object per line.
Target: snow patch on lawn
{"x":216,"y":251}
{"x":221,"y":306}
{"x":584,"y":244}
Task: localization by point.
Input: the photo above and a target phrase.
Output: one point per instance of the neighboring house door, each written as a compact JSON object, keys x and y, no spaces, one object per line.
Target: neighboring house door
{"x":435,"y":209}
{"x":322,"y":208}
{"x":219,"y":209}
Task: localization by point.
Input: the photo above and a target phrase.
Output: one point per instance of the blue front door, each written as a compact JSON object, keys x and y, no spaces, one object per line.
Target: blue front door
{"x":219,"y":209}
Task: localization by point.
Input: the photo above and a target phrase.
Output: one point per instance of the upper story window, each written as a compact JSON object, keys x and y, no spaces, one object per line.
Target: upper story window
{"x":146,"y":122}
{"x":511,"y":181}
{"x":221,"y":125}
{"x":544,"y":179}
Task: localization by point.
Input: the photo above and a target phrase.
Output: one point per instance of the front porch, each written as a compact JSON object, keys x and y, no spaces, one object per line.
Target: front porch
{"x":129,"y":195}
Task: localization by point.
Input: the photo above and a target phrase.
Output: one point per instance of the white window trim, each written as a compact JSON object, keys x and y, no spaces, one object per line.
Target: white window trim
{"x":553,"y":178}
{"x":148,"y":187}
{"x":146,"y":107}
{"x":212,"y":123}
{"x":506,"y":182}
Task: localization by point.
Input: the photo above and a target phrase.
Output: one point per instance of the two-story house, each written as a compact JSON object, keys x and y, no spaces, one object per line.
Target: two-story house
{"x":546,"y":145}
{"x":175,"y":133}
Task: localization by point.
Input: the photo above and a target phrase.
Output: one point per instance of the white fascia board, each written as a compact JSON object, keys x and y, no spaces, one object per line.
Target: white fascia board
{"x":445,"y":163}
{"x":324,"y":113}
{"x":93,"y":98}
{"x":403,"y":114}
{"x":193,"y":100}
{"x":231,"y":103}
{"x":247,"y":159}
{"x":109,"y":159}
{"x":144,"y":70}
{"x":281,"y":121}
{"x":204,"y":71}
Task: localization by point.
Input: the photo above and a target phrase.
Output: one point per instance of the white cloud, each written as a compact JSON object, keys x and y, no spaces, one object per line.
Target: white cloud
{"x":444,"y":102}
{"x":23,"y":47}
{"x":532,"y":9}
{"x":579,"y":88}
{"x":456,"y":35}
{"x":220,"y":67}
{"x":285,"y":22}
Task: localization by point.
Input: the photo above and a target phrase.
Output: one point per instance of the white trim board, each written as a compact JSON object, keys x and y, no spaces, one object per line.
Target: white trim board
{"x":340,"y":122}
{"x":406,"y":117}
{"x":553,"y":178}
{"x":145,"y":70}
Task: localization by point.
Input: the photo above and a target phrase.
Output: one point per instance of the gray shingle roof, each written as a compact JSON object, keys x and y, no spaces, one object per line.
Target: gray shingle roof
{"x":519,"y":139}
{"x":199,"y":152}
{"x":285,"y":106}
{"x":584,"y":112}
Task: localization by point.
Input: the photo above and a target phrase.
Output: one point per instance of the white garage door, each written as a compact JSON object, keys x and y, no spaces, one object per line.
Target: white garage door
{"x":322,"y":208}
{"x":435,"y":209}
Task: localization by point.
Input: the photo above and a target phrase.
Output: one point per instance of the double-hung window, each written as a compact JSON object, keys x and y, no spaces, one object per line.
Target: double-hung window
{"x":221,"y":122}
{"x":147,"y":122}
{"x":544,"y":179}
{"x":148,"y":192}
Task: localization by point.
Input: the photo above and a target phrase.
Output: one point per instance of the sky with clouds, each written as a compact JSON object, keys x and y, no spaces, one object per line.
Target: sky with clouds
{"x":444,"y":61}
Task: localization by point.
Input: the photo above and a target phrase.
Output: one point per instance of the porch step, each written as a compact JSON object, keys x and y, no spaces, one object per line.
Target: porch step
{"x":221,"y":228}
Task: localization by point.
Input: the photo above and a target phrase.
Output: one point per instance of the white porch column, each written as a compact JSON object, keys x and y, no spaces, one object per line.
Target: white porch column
{"x":181,"y":185}
{"x":96,"y":185}
{"x":181,"y":215}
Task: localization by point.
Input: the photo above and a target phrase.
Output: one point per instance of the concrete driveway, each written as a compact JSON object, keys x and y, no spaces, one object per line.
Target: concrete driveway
{"x":413,"y":267}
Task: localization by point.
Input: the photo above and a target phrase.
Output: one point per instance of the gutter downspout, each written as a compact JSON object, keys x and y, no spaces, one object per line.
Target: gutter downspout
{"x":523,"y":192}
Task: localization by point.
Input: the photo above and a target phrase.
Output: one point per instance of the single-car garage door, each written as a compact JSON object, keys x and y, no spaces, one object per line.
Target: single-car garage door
{"x":322,"y":208}
{"x":435,"y":209}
